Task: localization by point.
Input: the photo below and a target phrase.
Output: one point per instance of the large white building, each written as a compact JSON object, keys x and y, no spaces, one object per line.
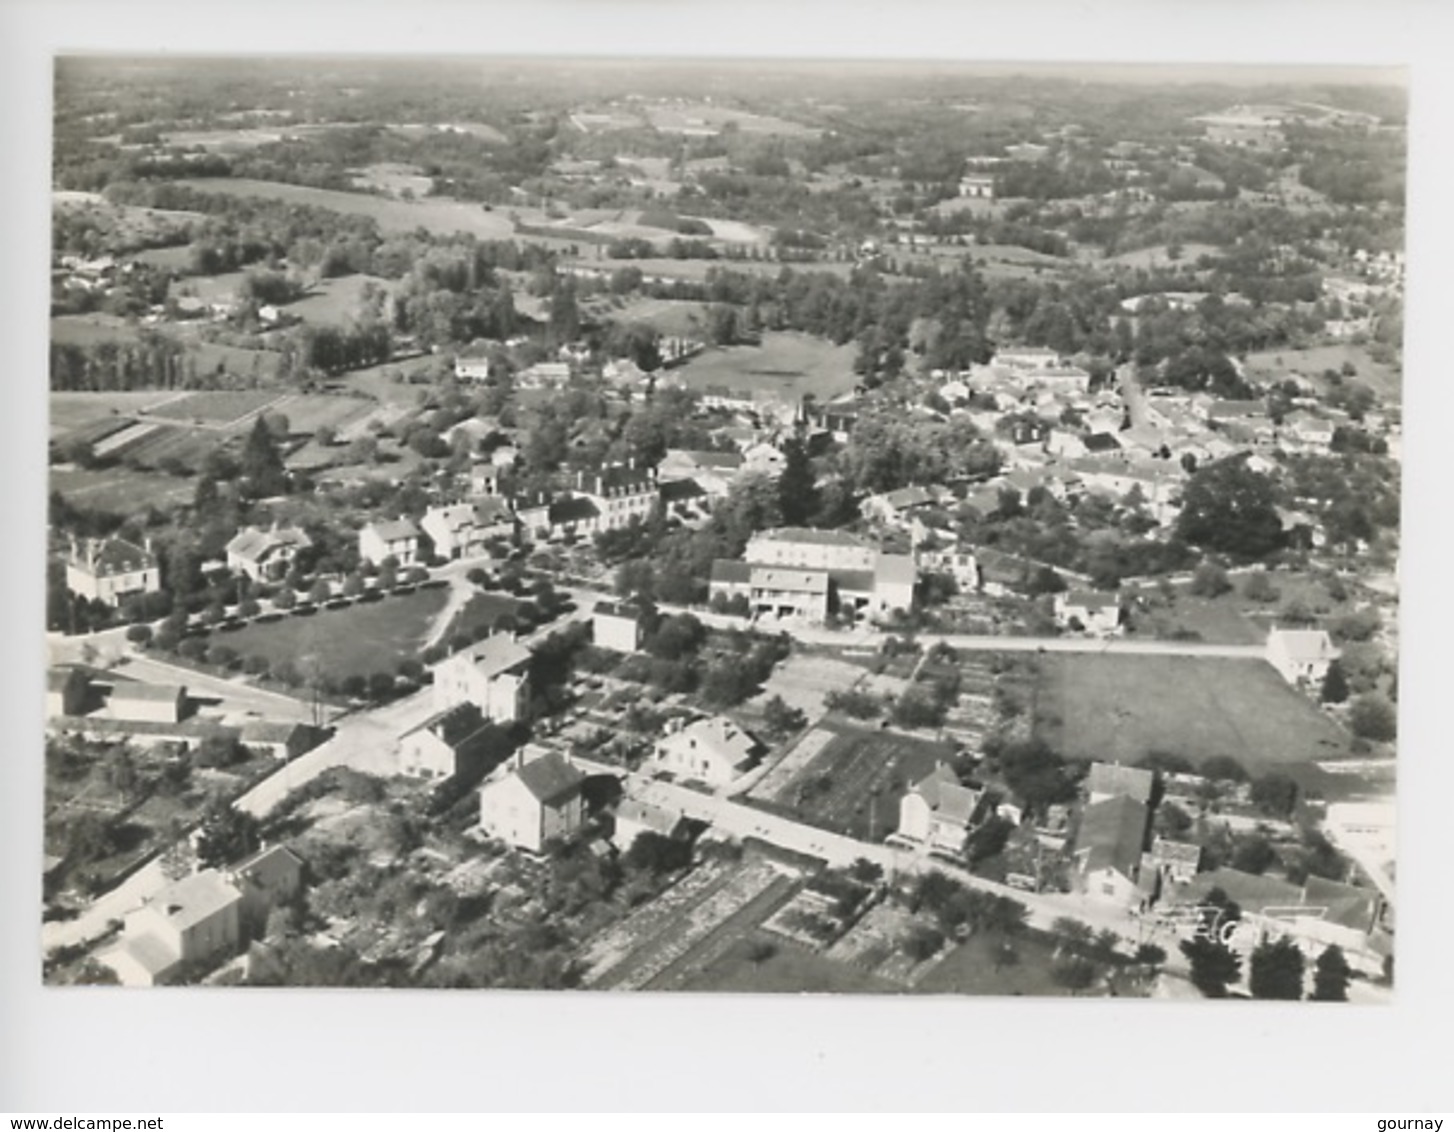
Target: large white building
{"x":493,"y":674}
{"x":112,"y":570}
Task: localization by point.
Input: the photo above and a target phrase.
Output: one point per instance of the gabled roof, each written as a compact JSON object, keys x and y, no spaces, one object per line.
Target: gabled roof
{"x":497,"y":653}
{"x":270,"y":865}
{"x":731,"y":571}
{"x":1115,"y":779}
{"x":550,"y":778}
{"x":1090,"y":599}
{"x":1102,"y":442}
{"x":394,"y":530}
{"x":715,"y":734}
{"x":946,"y":796}
{"x":914,"y":496}
{"x":1111,"y":835}
{"x":146,"y":693}
{"x":722,"y":461}
{"x":253,"y":543}
{"x":492,"y":509}
{"x":895,"y":569}
{"x":787,"y":578}
{"x":810,"y":535}
{"x":149,"y":953}
{"x":194,"y":898}
{"x":1302,"y":644}
{"x":574,"y":509}
{"x":114,"y":556}
{"x":656,"y":818}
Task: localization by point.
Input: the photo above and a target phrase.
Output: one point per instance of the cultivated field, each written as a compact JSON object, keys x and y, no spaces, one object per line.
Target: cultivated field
{"x":853,"y":780}
{"x":89,"y":329}
{"x":1122,"y":708}
{"x":71,"y":411}
{"x":803,"y":681}
{"x":667,"y":942}
{"x":216,"y":409}
{"x":789,"y":969}
{"x":784,"y":367}
{"x":371,"y":636}
{"x":308,"y":412}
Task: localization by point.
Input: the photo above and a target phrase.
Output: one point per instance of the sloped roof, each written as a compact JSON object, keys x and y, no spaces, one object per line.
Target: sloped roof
{"x":146,"y":693}
{"x":1111,"y":835}
{"x":1128,"y":781}
{"x":149,"y":953}
{"x":946,"y":796}
{"x":497,"y":653}
{"x":890,"y":569}
{"x":716,"y":734}
{"x":573,"y":509}
{"x":730,"y":570}
{"x":115,"y":556}
{"x":810,"y":535}
{"x":270,"y":865}
{"x":786,"y":578}
{"x":1302,"y":644}
{"x":254,"y":543}
{"x":656,"y":818}
{"x":550,"y":778}
{"x":393,"y":530}
{"x":194,"y":898}
{"x":1090,"y":599}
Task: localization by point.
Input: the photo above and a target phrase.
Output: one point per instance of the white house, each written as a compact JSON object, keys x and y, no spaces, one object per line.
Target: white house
{"x":617,"y":627}
{"x":938,"y":812}
{"x":713,"y":750}
{"x":266,"y":555}
{"x":1108,"y":849}
{"x":394,"y":538}
{"x":1302,"y":656}
{"x":493,"y":674}
{"x":1097,"y":613}
{"x":1112,"y":780}
{"x":193,"y":922}
{"x":111,"y":570}
{"x":635,"y":817}
{"x":533,"y":802}
{"x":458,"y":742}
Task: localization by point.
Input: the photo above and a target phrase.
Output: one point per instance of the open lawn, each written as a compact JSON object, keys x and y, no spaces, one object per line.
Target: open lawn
{"x":1214,"y":620}
{"x":1308,"y":365}
{"x":334,"y":302}
{"x":704,"y":118}
{"x":89,"y":329}
{"x":362,"y":639}
{"x":783,"y":368}
{"x":853,"y":780}
{"x":696,"y":270}
{"x":393,"y":178}
{"x":121,"y":490}
{"x":679,"y":317}
{"x":308,"y":412}
{"x":1158,"y":256}
{"x":976,"y":967}
{"x":479,"y":615}
{"x":1122,"y":708}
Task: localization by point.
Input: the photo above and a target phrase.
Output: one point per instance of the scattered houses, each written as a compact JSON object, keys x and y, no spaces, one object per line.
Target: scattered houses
{"x":190,"y":924}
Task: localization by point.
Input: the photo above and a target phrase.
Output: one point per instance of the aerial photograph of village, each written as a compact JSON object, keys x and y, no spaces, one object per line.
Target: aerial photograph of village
{"x":745,"y":526}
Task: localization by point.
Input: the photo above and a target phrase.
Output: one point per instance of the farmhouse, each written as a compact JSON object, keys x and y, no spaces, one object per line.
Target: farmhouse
{"x":189,"y":924}
{"x":616,"y":626}
{"x":1108,"y":850}
{"x":533,"y":802}
{"x":492,"y":674}
{"x":397,"y":539}
{"x":713,"y":750}
{"x":268,"y":878}
{"x":1096,"y":613}
{"x":1302,"y":656}
{"x":266,"y":555}
{"x":111,"y":570}
{"x":458,"y":742}
{"x":938,"y":812}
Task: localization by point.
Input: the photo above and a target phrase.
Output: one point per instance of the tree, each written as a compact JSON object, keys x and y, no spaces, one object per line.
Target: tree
{"x":227,"y":834}
{"x":1230,"y":509}
{"x":262,"y":472}
{"x":1275,"y":794}
{"x":1076,"y":974}
{"x":1277,"y":970}
{"x":797,"y":485}
{"x":1331,"y":975}
{"x":1335,"y":685}
{"x":1210,"y":580}
{"x":922,"y":942}
{"x":1214,"y":966}
{"x":1253,"y":855}
{"x":782,"y":719}
{"x":1372,"y":717}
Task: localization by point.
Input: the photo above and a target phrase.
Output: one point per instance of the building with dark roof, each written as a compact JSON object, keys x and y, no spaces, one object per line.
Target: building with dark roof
{"x":939,"y":811}
{"x":111,"y":570}
{"x":1108,"y":849}
{"x":534,"y":802}
{"x":458,"y":742}
{"x":266,"y":555}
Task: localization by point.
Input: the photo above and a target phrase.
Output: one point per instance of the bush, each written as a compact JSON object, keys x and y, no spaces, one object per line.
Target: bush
{"x":139,"y":634}
{"x":1373,"y":717}
{"x":193,"y":648}
{"x":922,"y":943}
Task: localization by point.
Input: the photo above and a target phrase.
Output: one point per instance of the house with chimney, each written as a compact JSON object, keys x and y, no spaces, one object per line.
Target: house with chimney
{"x":492,"y":674}
{"x":458,"y":742}
{"x":464,"y":530}
{"x":938,"y":812}
{"x":714,"y":751}
{"x":266,"y":555}
{"x":1108,"y":851}
{"x":111,"y":570}
{"x":535,"y":798}
{"x":191,"y":924}
{"x":391,"y":538}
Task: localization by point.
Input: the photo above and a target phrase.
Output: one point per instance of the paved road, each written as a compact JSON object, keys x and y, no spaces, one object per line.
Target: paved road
{"x":237,"y":692}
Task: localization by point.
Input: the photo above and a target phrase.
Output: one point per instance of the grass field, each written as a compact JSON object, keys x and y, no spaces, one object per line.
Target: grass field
{"x":696,"y":270}
{"x":121,"y":490}
{"x":971,"y":968}
{"x":437,"y":216}
{"x":1121,"y":708}
{"x":333,"y":302}
{"x":1157,"y":256}
{"x":362,"y":639}
{"x":308,"y":412}
{"x":1308,"y":366}
{"x":784,"y":367}
{"x":393,"y":178}
{"x":853,"y":782}
{"x":89,"y":329}
{"x":680,"y":317}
